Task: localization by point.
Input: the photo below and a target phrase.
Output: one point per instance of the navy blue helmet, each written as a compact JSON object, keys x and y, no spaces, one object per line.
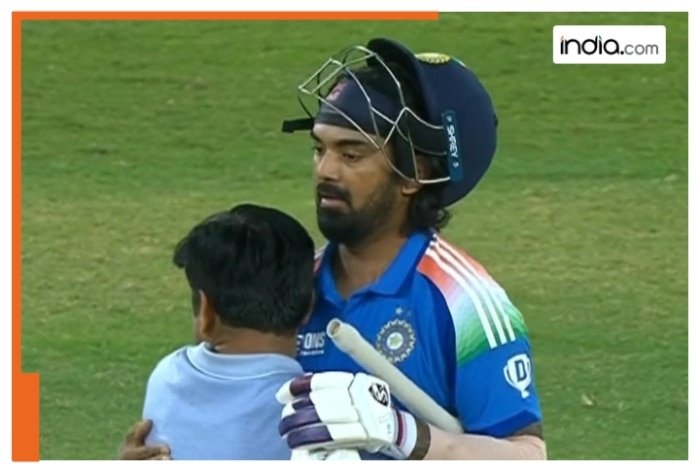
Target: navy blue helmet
{"x":453,"y":124}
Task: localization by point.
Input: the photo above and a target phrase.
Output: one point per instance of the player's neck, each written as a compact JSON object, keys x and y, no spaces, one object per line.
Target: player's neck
{"x":249,"y":341}
{"x":361,"y":264}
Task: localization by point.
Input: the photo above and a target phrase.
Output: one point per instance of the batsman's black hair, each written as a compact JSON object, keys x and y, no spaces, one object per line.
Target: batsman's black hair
{"x":254,"y":263}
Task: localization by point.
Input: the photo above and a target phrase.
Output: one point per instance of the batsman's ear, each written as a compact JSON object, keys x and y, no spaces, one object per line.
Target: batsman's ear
{"x":411,"y":187}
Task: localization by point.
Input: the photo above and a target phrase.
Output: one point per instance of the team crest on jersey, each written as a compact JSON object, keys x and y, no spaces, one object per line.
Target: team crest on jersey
{"x":396,"y":340}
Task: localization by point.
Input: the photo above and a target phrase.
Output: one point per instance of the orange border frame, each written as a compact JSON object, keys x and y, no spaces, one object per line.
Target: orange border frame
{"x":25,"y":386}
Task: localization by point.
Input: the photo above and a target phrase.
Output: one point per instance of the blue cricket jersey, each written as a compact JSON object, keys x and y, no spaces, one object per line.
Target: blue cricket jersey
{"x":445,"y":323}
{"x":207,"y":405}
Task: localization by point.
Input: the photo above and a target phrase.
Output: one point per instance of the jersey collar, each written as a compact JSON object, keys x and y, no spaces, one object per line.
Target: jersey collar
{"x":390,"y":281}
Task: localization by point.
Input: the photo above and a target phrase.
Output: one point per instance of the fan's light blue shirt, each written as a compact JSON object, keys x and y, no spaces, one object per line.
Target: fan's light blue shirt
{"x":207,"y":405}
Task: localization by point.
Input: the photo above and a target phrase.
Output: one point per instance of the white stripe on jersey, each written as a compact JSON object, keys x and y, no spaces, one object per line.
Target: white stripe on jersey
{"x":474,"y":282}
{"x":466,"y":268}
{"x":319,"y":252}
{"x":317,"y":258}
{"x":430,"y":252}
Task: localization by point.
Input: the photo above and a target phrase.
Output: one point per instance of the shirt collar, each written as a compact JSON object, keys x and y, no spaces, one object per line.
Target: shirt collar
{"x":240,"y":366}
{"x":389,"y":282}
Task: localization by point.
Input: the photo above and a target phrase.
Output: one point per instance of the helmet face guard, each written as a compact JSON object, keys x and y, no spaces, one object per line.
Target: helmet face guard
{"x":335,"y":95}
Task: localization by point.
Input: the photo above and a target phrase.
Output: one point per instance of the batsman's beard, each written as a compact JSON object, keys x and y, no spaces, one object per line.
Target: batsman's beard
{"x":351,"y":226}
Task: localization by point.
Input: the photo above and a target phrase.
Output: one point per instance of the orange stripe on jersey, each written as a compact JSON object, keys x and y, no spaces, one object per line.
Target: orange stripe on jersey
{"x":466,"y":261}
{"x":463,"y":294}
{"x":318,"y":257}
{"x":478,"y":318}
{"x":430,"y":268}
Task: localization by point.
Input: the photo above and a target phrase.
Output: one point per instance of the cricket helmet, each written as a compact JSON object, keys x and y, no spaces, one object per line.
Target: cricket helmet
{"x":453,"y":125}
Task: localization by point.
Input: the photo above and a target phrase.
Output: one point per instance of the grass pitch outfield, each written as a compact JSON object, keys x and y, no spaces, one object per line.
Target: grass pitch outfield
{"x":134,"y":131}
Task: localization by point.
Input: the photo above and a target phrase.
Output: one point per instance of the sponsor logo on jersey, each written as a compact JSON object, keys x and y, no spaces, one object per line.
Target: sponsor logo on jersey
{"x":396,"y":340}
{"x":517,"y":373}
{"x":311,"y":344}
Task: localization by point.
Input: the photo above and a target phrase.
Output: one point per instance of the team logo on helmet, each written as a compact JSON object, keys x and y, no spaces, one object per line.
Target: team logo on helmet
{"x":396,"y":340}
{"x":337,"y":90}
{"x":433,"y":57}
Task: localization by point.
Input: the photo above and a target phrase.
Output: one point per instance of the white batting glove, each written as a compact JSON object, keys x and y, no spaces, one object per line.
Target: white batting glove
{"x":340,"y":410}
{"x":325,"y":455}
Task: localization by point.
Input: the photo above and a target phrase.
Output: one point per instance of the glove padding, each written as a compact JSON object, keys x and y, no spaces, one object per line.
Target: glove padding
{"x":340,"y":410}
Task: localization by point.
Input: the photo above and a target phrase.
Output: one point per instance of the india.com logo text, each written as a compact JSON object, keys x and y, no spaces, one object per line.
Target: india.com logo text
{"x":599,"y":45}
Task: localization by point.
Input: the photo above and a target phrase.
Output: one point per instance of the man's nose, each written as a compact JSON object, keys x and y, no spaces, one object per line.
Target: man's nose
{"x":328,"y":166}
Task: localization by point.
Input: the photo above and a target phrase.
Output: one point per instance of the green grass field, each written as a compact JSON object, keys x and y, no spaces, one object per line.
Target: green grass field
{"x":134,"y":131}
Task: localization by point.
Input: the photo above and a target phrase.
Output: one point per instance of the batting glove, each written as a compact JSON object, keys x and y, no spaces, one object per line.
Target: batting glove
{"x":340,"y":410}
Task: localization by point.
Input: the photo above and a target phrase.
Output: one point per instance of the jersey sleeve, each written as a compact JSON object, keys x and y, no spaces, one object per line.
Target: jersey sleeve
{"x":493,"y":376}
{"x":495,"y":390}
